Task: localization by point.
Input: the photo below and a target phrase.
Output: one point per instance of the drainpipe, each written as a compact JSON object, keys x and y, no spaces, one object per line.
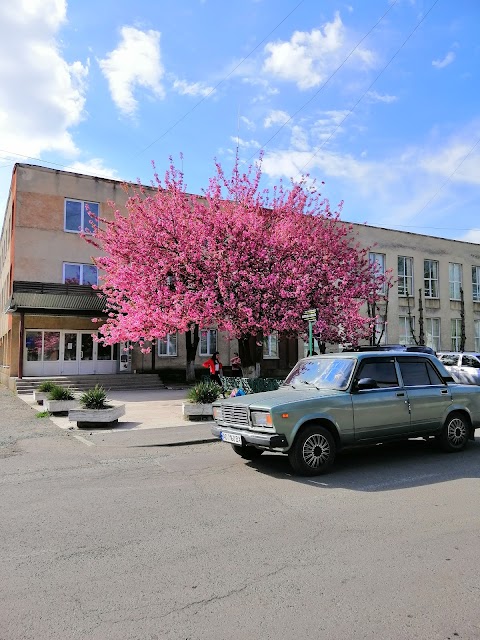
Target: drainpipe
{"x":21,"y":332}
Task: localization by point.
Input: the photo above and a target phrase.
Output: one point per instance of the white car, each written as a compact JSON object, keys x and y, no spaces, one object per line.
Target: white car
{"x":463,"y":367}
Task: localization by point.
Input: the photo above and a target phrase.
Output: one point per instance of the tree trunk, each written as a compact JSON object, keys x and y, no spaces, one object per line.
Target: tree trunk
{"x":250,"y":355}
{"x":463,"y":336}
{"x":191,"y":342}
{"x":421,"y":335}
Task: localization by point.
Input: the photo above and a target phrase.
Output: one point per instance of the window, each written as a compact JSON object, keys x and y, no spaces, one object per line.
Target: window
{"x":455,"y":278}
{"x":208,"y":342}
{"x":477,"y":335}
{"x":456,"y":325}
{"x":405,"y":276}
{"x":168,"y":346}
{"x":80,"y":273}
{"x":379,"y":258}
{"x":418,"y":373}
{"x":406,"y":329}
{"x":382,"y":371}
{"x":270,"y":345}
{"x":470,"y":361}
{"x":432,"y":331}
{"x":77,"y":216}
{"x":476,"y":283}
{"x":42,"y":345}
{"x":430,"y":278}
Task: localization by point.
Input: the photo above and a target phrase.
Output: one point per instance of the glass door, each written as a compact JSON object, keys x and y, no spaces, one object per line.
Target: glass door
{"x":70,"y":355}
{"x":87,"y":355}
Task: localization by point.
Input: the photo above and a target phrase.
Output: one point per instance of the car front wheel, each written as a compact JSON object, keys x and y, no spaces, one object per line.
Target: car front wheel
{"x":454,"y":436}
{"x":313,"y":451}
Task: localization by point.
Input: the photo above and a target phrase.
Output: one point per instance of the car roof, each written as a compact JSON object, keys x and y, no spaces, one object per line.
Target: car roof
{"x":360,"y":355}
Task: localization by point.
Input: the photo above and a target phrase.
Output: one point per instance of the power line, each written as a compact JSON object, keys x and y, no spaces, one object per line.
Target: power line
{"x":185,"y":115}
{"x":326,"y":81}
{"x":369,"y":87}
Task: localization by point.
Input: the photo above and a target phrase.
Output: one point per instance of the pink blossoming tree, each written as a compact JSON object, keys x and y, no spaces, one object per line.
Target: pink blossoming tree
{"x":237,"y":257}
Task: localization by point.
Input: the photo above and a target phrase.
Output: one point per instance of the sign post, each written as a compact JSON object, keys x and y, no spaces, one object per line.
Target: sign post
{"x":311,"y":317}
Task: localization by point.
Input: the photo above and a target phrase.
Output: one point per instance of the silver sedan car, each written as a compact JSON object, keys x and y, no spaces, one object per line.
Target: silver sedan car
{"x":463,"y":367}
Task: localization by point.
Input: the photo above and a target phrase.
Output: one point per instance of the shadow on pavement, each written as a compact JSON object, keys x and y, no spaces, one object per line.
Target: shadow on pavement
{"x":386,"y":467}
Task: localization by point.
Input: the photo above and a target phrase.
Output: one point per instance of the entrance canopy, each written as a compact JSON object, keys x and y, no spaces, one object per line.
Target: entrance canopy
{"x":41,"y":297}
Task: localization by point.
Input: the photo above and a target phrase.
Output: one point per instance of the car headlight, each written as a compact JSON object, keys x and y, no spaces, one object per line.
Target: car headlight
{"x":261,"y":419}
{"x":217,"y":413}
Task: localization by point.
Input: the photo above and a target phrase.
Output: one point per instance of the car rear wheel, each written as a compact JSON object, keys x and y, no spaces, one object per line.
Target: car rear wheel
{"x":246,"y":452}
{"x":313,"y":451}
{"x":455,"y":432}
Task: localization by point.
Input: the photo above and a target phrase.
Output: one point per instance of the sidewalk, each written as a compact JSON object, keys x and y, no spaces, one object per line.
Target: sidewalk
{"x":152,"y":418}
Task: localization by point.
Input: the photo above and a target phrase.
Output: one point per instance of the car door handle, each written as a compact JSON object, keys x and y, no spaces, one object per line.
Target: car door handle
{"x":444,"y":391}
{"x":400,"y":394}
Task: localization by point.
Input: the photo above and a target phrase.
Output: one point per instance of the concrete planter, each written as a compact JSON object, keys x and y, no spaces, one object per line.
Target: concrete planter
{"x":195,"y":409}
{"x":96,"y":417}
{"x":59,"y":406}
{"x":40,"y":396}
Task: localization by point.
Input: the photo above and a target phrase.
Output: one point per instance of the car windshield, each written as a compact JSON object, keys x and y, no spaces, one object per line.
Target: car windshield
{"x":327,"y":373}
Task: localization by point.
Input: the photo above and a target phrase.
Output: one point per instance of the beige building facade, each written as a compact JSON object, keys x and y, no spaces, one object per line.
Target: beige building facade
{"x":47,"y":302}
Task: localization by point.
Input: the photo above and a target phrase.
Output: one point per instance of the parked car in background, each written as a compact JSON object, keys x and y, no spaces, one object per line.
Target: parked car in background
{"x":464,"y":367}
{"x":335,"y":401}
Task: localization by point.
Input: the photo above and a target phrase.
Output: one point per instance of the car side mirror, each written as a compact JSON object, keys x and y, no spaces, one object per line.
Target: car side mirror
{"x":366,"y":383}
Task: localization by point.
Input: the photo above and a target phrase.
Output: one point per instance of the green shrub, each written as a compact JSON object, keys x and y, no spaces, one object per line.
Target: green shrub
{"x":95,"y":398}
{"x":43,"y":414}
{"x":204,"y":392}
{"x":60,"y":393}
{"x":46,"y":386}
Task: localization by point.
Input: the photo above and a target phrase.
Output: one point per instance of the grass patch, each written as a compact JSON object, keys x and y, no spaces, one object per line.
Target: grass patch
{"x":43,"y":414}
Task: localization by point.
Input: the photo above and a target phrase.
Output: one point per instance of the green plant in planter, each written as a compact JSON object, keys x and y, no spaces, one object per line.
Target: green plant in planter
{"x":46,"y":386}
{"x":60,"y":393}
{"x":204,"y":392}
{"x":95,"y":398}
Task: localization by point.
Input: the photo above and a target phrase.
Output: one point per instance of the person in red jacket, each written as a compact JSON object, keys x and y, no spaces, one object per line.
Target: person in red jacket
{"x":215,"y":367}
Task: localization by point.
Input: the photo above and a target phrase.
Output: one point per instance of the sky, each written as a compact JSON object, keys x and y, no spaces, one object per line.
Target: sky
{"x":379,"y":99}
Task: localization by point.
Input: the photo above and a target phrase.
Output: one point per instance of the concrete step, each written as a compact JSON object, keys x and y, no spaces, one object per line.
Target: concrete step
{"x":80,"y":383}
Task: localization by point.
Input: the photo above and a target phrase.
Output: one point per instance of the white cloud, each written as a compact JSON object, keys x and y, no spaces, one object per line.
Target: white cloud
{"x":185,"y":88}
{"x":276,"y":117}
{"x":444,"y":62}
{"x":471,"y":236}
{"x":44,"y":95}
{"x":248,"y":123}
{"x":373,"y":96}
{"x":136,"y":62}
{"x":308,"y":58}
{"x":94,"y":167}
{"x":245,"y":144}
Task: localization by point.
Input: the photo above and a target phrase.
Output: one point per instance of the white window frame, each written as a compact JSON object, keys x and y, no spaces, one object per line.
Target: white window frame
{"x":431,"y":282}
{"x":405,"y":333}
{"x":170,"y":343}
{"x":455,"y":280}
{"x":476,"y":283}
{"x":477,"y":335}
{"x":79,"y":264}
{"x":381,"y":260}
{"x":405,"y":279}
{"x":270,"y":346}
{"x":212,"y":342}
{"x":84,"y":217}
{"x":455,"y":333}
{"x":432,"y":333}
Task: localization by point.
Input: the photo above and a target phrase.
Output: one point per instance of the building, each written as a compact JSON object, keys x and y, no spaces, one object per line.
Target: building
{"x":47,"y":301}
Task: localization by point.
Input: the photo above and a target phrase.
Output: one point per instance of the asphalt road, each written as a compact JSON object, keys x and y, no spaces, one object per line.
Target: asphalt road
{"x":192,"y":542}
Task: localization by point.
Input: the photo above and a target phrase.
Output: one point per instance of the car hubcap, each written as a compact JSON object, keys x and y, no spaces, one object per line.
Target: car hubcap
{"x":457,"y":431}
{"x":316,"y":450}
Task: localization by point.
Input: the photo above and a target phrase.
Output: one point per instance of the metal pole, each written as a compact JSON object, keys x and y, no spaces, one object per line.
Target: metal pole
{"x":310,"y":337}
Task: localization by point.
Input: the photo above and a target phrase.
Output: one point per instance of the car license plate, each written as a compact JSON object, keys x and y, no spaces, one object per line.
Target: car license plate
{"x":233,"y":438}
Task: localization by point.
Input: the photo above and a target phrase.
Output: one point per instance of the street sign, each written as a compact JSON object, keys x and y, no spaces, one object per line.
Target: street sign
{"x":310,"y":315}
